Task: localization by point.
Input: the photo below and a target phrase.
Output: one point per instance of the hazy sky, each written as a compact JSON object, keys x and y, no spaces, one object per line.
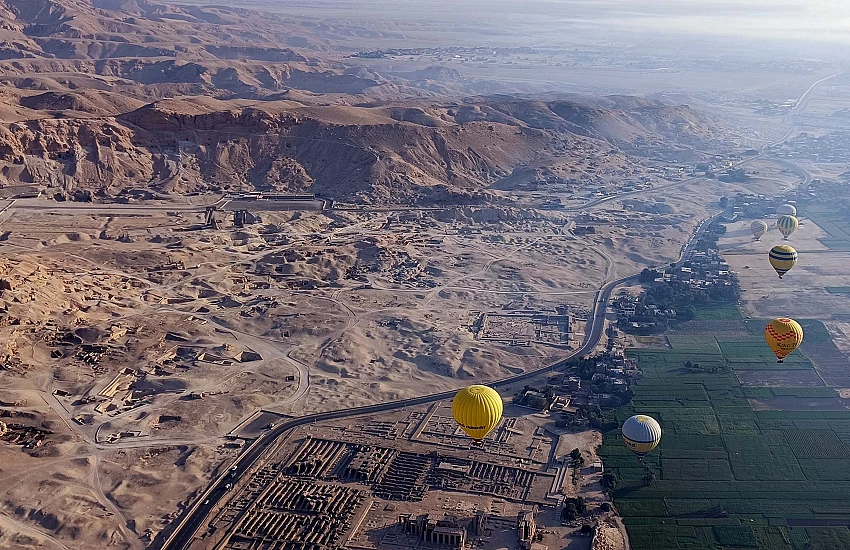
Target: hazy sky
{"x":816,"y":20}
{"x":819,"y":20}
{"x":813,"y":21}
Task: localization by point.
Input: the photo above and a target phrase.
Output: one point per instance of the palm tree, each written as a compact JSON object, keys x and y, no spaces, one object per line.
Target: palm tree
{"x":649,"y":476}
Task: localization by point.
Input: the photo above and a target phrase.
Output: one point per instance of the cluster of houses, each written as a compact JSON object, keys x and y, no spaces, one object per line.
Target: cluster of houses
{"x":702,"y":270}
{"x":830,"y":147}
{"x":636,"y":316}
{"x":833,"y":192}
{"x":750,"y":205}
{"x":703,"y":277}
{"x":577,"y":397}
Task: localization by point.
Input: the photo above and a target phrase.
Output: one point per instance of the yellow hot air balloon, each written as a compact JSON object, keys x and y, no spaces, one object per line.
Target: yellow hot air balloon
{"x":782,"y":257}
{"x":641,"y":434}
{"x":783,"y":335}
{"x":758,"y":228}
{"x":787,"y":224}
{"x":477,"y":410}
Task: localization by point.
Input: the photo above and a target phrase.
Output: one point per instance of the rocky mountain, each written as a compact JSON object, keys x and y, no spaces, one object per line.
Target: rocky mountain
{"x":119,"y":44}
{"x":109,"y":98}
{"x":371,"y":154}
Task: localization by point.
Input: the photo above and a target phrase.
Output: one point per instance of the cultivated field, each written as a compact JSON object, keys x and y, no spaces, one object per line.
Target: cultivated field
{"x":754,"y":454}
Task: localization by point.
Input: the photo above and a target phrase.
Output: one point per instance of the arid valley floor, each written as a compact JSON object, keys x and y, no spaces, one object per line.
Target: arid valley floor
{"x":215,"y":221}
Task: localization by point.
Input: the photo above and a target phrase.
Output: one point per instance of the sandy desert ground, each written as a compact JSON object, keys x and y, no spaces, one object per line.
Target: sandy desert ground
{"x":341,"y":309}
{"x":134,"y":341}
{"x":803,"y":290}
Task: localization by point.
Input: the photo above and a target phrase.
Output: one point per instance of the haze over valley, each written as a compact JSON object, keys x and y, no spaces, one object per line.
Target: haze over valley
{"x":250,"y":252}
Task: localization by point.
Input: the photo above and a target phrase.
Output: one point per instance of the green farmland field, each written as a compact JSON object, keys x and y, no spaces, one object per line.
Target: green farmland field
{"x":714,"y":312}
{"x":729,"y":476}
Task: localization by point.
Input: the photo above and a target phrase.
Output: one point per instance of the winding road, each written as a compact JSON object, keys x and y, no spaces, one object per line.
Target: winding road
{"x":194,"y":516}
{"x":187,"y":527}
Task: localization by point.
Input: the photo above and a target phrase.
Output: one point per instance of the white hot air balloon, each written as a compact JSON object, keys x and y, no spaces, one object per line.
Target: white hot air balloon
{"x":641,"y":434}
{"x":786,"y":210}
{"x":758,"y":228}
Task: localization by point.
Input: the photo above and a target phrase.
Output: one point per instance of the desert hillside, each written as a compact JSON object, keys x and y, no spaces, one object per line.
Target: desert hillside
{"x":365,"y":154}
{"x":489,"y":182}
{"x":107,"y":99}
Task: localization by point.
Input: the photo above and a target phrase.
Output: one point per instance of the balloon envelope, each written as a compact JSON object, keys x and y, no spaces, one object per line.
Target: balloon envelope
{"x":783,"y":335}
{"x":786,"y":209}
{"x":477,"y":410}
{"x":782,"y":257}
{"x":758,"y":228}
{"x":787,"y":224}
{"x":641,"y":434}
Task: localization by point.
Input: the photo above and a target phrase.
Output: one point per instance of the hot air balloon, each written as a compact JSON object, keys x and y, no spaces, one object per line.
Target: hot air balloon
{"x":786,"y":210}
{"x":641,"y":434}
{"x":758,"y":228}
{"x":782,"y":257}
{"x":787,"y":225}
{"x":477,"y":410}
{"x":783,"y":335}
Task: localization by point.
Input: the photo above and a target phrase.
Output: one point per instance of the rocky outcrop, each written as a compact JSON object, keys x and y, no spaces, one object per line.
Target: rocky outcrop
{"x":375,"y":155}
{"x":254,"y":52}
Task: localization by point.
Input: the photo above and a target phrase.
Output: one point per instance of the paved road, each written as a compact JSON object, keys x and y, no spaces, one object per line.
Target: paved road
{"x":197,"y":514}
{"x":807,"y":177}
{"x":98,"y":208}
{"x":804,"y":99}
{"x":182,"y":538}
{"x":801,"y":104}
{"x":700,"y":231}
{"x":203,"y":506}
